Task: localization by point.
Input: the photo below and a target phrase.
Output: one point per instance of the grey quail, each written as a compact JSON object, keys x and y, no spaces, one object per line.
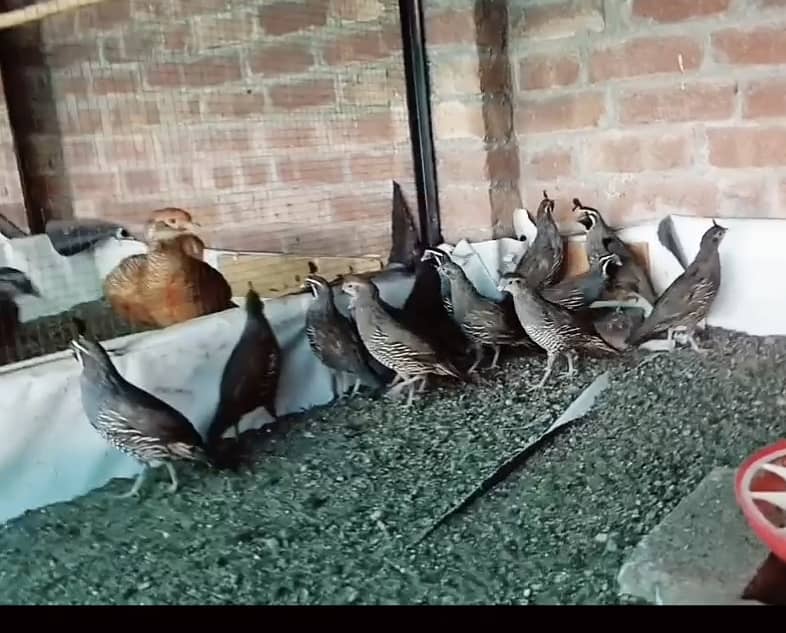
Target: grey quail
{"x":552,"y":327}
{"x":601,"y":240}
{"x":390,"y":342}
{"x":483,"y":320}
{"x":689,"y":297}
{"x":437,"y":255}
{"x":251,"y":373}
{"x":576,"y":293}
{"x":334,"y":338}
{"x":542,"y":261}
{"x":131,"y":419}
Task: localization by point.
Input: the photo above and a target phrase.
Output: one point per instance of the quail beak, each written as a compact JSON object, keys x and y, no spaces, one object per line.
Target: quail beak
{"x":32,"y":290}
{"x":584,"y":219}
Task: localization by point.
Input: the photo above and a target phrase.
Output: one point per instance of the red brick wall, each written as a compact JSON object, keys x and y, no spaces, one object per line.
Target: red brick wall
{"x":603,"y":109}
{"x":280,"y":124}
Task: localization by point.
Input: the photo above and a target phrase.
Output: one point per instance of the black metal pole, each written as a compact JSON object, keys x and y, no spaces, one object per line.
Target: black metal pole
{"x":419,"y":106}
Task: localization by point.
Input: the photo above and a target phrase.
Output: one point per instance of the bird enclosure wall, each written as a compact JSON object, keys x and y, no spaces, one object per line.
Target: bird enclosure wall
{"x":280,"y":126}
{"x":640,"y":108}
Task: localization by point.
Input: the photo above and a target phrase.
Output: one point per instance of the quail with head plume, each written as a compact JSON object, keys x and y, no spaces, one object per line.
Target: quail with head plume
{"x":483,"y":320}
{"x":390,"y":342}
{"x":601,"y":240}
{"x":552,"y":327}
{"x":437,"y":255}
{"x":334,"y":339}
{"x":13,"y":283}
{"x":689,"y":297}
{"x":576,"y":293}
{"x":542,"y":261}
{"x":251,"y":374}
{"x":131,"y":419}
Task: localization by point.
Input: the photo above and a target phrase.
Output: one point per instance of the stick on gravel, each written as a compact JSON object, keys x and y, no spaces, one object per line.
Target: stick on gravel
{"x":577,"y":409}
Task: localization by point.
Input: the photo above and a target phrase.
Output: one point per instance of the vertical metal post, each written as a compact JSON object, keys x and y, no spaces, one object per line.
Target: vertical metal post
{"x":419,"y":106}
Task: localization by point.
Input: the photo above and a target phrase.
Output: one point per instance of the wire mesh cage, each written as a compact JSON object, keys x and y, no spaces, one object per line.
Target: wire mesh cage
{"x":278,"y":126}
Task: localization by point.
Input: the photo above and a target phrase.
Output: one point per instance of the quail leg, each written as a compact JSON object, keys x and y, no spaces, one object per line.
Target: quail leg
{"x":571,"y":364}
{"x":694,"y":344}
{"x":137,"y":485}
{"x":478,"y":358}
{"x":423,"y":382}
{"x":496,"y":357}
{"x":173,"y":476}
{"x":356,"y":387}
{"x":550,"y":358}
{"x":411,"y":392}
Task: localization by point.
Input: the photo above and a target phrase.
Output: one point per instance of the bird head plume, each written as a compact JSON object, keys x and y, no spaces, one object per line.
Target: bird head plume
{"x":546,"y":206}
{"x":713,"y":236}
{"x":254,"y":305}
{"x":588,"y":217}
{"x":434,"y":254}
{"x":317,"y":285}
{"x":14,"y":282}
{"x":91,"y":356}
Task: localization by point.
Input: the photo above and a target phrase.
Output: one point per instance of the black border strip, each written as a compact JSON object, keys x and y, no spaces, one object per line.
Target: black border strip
{"x":419,"y":106}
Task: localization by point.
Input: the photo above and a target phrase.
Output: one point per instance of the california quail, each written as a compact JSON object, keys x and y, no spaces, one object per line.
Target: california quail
{"x":689,"y":297}
{"x":542,"y":261}
{"x":437,"y":255}
{"x":13,"y":283}
{"x":483,"y":320}
{"x":334,"y":338}
{"x":390,"y":342}
{"x":575,"y":293}
{"x":132,"y":420}
{"x":601,"y":240}
{"x":251,"y":374}
{"x":552,"y":327}
{"x":425,"y":314}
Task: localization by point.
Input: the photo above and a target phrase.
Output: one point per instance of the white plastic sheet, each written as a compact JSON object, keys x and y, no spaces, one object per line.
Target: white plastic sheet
{"x":50,"y":453}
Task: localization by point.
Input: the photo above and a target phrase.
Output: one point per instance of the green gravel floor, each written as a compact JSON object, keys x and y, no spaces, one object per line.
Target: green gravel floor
{"x":336,"y":496}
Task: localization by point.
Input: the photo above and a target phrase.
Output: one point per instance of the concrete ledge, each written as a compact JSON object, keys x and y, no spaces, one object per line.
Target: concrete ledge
{"x":702,"y":553}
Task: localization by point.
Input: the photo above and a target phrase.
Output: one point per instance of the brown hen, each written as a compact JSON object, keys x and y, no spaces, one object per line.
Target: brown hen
{"x":170,"y":283}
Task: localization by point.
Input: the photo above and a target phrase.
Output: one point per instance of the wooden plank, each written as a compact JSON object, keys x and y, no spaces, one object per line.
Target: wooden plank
{"x":276,"y":275}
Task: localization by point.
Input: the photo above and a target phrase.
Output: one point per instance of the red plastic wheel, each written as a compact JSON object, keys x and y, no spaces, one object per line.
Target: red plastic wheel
{"x":760,"y":489}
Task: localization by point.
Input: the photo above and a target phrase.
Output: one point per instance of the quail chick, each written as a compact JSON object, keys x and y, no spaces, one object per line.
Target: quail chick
{"x":601,"y":240}
{"x":131,"y":419}
{"x":13,"y":283}
{"x":576,"y":293}
{"x":552,"y":327}
{"x":390,"y":342}
{"x":689,"y":297}
{"x":483,"y":321}
{"x":335,"y":340}
{"x":542,"y":261}
{"x":251,"y":374}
